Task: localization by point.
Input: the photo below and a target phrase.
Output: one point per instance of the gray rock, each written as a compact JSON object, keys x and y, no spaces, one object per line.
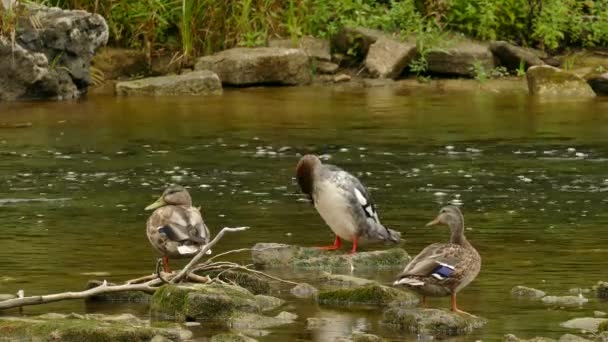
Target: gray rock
{"x":387,"y":57}
{"x":460,"y":58}
{"x":589,"y":324}
{"x":513,"y":338}
{"x":203,"y":82}
{"x":314,"y":47}
{"x":327,"y":68}
{"x":52,"y":58}
{"x":342,"y":280}
{"x":313,"y":323}
{"x":304,"y":290}
{"x":355,"y":41}
{"x":572,"y":338}
{"x":280,"y":255}
{"x":258,"y":66}
{"x":245,"y":320}
{"x":439,"y":323}
{"x":578,"y":290}
{"x":601,"y":290}
{"x":90,"y":327}
{"x":565,"y":300}
{"x":512,"y":55}
{"x":126,"y":296}
{"x":342,"y":78}
{"x":526,"y":292}
{"x":375,"y":294}
{"x":599,"y":314}
{"x":232,"y":338}
{"x":548,"y":81}
{"x":268,"y":303}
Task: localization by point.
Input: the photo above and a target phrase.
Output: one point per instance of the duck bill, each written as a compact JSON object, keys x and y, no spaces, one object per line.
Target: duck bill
{"x":435,"y":222}
{"x":159,"y":203}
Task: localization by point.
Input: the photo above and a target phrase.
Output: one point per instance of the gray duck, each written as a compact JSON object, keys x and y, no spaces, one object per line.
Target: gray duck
{"x":443,"y":269}
{"x":176,"y":229}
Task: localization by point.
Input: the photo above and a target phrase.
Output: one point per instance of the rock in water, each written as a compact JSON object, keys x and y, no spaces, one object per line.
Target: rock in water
{"x":511,"y":55}
{"x":591,"y":324}
{"x":232,"y":338}
{"x":202,"y":82}
{"x":304,"y":290}
{"x":526,"y":292}
{"x":565,"y":300}
{"x":544,"y":80}
{"x":601,"y":290}
{"x":439,"y":323}
{"x":460,"y":58}
{"x":572,"y":338}
{"x":259,"y":66}
{"x":599,"y":84}
{"x":387,"y":57}
{"x":513,"y":338}
{"x":281,"y":255}
{"x":51,"y":54}
{"x":375,"y":294}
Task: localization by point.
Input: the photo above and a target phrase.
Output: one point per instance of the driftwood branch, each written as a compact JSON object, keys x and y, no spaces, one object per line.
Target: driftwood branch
{"x":203,"y":251}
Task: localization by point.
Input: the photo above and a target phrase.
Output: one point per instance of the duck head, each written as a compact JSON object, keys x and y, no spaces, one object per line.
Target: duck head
{"x":452,"y":217}
{"x":173,"y":195}
{"x":305,"y":172}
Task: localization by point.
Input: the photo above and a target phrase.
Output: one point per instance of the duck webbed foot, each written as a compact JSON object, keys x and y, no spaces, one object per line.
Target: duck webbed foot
{"x":337,"y":244}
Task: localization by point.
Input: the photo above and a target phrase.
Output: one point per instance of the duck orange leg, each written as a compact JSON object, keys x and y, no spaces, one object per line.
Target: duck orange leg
{"x":355,"y":244}
{"x":455,"y":307}
{"x":337,"y":244}
{"x":166,"y":264}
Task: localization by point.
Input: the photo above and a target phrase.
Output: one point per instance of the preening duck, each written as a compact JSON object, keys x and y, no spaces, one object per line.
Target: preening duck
{"x":443,"y":269}
{"x":176,"y":229}
{"x":343,"y":203}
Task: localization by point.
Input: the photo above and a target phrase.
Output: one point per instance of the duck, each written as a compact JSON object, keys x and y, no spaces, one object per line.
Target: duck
{"x":343,"y":202}
{"x":443,"y":269}
{"x":175,"y":228}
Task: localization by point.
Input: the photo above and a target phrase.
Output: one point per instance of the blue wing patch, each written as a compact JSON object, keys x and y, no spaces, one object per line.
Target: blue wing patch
{"x":443,"y":271}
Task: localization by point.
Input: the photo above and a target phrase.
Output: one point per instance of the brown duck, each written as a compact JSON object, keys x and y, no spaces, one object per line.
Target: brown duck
{"x":443,"y":269}
{"x":176,"y":229}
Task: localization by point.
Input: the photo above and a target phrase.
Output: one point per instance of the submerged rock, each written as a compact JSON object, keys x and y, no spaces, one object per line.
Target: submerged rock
{"x":511,"y":56}
{"x":204,"y":302}
{"x":590,"y":324}
{"x":374,"y":294}
{"x":565,"y":300}
{"x":91,"y":327}
{"x":258,"y":66}
{"x":51,"y":54}
{"x":550,"y":81}
{"x":304,"y":290}
{"x":439,"y":323}
{"x":460,"y":58}
{"x":387,"y":58}
{"x":125,"y":296}
{"x":276,"y":255}
{"x":526,"y":292}
{"x":232,"y":338}
{"x":268,"y":303}
{"x":601,"y":289}
{"x":202,"y":82}
{"x":245,"y":320}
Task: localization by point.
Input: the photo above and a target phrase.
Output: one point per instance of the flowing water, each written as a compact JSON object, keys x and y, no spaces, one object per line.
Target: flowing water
{"x":531,"y":177}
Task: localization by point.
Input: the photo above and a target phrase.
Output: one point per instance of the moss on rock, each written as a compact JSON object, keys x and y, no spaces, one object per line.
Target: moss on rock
{"x":374,"y":294}
{"x":545,"y":80}
{"x":439,"y":323}
{"x":92,"y":328}
{"x":254,"y":283}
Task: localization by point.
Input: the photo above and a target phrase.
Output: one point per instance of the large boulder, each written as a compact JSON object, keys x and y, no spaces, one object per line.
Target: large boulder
{"x":511,"y":56}
{"x":259,"y":66}
{"x":439,"y":323}
{"x":51,"y":54}
{"x":215,"y":302}
{"x":316,"y":48}
{"x":374,"y":294}
{"x":281,"y":255}
{"x":545,"y":80}
{"x":388,"y":57}
{"x":203,"y":82}
{"x":460,"y":58}
{"x":599,"y":84}
{"x":90,"y":327}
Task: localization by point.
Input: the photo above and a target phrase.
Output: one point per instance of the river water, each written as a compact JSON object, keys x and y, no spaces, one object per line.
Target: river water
{"x":530,"y":174}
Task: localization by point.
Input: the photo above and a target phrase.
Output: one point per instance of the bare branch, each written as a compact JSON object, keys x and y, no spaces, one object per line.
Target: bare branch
{"x":204,"y":250}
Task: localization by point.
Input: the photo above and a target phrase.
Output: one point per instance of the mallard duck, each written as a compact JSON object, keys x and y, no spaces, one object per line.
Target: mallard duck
{"x":443,"y":269}
{"x":176,"y":229}
{"x":343,"y":202}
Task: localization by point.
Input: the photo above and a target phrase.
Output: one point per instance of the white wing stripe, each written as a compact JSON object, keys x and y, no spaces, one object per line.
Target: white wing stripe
{"x":362,"y":200}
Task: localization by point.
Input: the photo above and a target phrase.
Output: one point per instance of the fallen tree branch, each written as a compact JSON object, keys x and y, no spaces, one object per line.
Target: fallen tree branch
{"x":203,"y":251}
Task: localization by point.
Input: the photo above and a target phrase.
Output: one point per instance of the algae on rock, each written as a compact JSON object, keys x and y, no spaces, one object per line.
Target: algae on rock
{"x":439,"y":323}
{"x":374,"y":294}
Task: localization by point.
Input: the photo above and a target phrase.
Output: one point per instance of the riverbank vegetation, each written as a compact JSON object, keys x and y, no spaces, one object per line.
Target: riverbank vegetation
{"x":198,"y":27}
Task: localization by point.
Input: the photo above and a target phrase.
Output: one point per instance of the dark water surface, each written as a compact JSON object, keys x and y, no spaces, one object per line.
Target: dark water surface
{"x":531,"y":176}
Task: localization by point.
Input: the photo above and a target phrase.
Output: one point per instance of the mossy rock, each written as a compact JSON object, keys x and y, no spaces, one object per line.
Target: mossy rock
{"x":125,"y":296}
{"x":200,"y":302}
{"x":343,"y":280}
{"x":281,"y":255}
{"x":90,"y":328}
{"x":545,"y":80}
{"x":374,"y":294}
{"x":439,"y":323}
{"x":254,"y":283}
{"x":252,"y":321}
